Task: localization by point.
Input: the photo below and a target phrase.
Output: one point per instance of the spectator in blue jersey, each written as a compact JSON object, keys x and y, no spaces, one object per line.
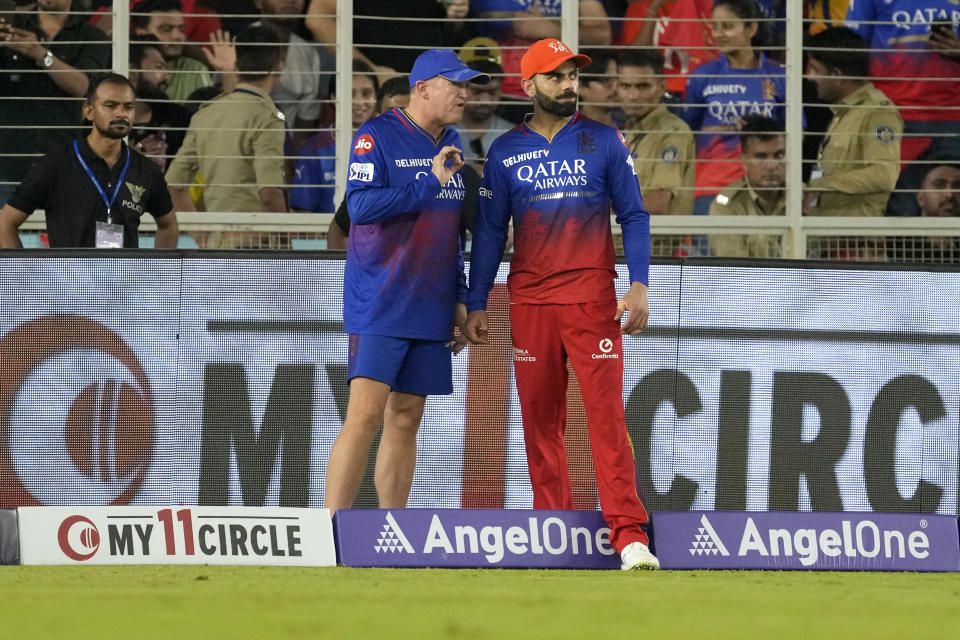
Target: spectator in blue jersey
{"x":315,"y":173}
{"x":740,"y":82}
{"x":557,"y":175}
{"x":404,"y":287}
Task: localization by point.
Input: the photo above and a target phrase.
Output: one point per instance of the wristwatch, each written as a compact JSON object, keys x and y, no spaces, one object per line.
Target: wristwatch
{"x":48,"y":59}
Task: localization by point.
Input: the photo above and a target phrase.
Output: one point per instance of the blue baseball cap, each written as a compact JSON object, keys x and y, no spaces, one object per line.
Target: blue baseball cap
{"x":446,"y":64}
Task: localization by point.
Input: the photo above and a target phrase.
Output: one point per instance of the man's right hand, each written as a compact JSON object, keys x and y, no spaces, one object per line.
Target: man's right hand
{"x":476,"y":328}
{"x":446,"y":163}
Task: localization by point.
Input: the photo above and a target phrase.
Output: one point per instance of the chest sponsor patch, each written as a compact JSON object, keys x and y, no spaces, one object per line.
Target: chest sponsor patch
{"x":362,"y":171}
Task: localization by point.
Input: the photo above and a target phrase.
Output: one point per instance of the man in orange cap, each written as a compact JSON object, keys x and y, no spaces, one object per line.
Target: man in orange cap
{"x":557,"y":175}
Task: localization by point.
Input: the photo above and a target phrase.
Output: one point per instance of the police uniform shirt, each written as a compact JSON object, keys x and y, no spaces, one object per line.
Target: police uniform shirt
{"x":236,"y":142}
{"x":860,"y":155}
{"x":58,"y":184}
{"x":740,"y":199}
{"x":663,"y":151}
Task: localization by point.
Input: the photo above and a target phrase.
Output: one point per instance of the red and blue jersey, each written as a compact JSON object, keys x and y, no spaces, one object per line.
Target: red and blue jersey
{"x":718,"y":96}
{"x":900,"y":28}
{"x":404,"y":268}
{"x":318,"y":170}
{"x":559,"y":193}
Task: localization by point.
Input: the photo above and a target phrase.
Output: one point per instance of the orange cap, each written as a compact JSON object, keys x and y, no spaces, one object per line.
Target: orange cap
{"x":544,"y":56}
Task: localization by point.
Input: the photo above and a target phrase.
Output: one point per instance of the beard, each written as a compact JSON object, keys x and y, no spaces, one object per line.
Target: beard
{"x":553,"y":107}
{"x":116,"y":130}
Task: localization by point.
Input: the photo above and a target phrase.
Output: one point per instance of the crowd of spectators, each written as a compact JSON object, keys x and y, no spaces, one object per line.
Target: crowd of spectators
{"x":697,"y":88}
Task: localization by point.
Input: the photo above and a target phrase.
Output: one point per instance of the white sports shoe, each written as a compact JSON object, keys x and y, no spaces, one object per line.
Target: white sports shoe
{"x":636,"y":555}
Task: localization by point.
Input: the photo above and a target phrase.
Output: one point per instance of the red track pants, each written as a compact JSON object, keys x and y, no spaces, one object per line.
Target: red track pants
{"x":544,"y":336}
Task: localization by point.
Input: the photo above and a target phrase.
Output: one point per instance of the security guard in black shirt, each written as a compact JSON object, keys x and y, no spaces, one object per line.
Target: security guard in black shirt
{"x":95,"y":189}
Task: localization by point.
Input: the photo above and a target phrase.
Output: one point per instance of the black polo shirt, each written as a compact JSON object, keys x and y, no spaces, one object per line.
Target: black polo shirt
{"x":58,"y":184}
{"x":40,"y":126}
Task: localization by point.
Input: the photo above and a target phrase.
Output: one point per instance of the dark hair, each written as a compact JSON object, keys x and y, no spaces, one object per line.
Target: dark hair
{"x":140,"y":47}
{"x":748,"y":11}
{"x":596,"y":70}
{"x":489,"y":67}
{"x":259,"y":49}
{"x":396,"y":86}
{"x":643,"y":58}
{"x":359,"y":68}
{"x":762,"y":128}
{"x":936,"y":162}
{"x":151,"y":6}
{"x":840,"y":48}
{"x":106,"y":78}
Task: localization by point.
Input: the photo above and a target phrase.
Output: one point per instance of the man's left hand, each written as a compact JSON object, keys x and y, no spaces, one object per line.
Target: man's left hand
{"x":21,"y":40}
{"x":946,"y":42}
{"x":635,"y":302}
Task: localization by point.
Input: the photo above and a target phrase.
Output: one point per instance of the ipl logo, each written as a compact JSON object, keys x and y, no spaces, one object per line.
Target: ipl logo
{"x":76,"y":415}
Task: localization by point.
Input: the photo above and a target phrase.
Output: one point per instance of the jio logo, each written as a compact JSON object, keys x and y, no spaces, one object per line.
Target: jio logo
{"x":606,"y":345}
{"x":364,"y":144}
{"x":78,"y":538}
{"x":76,"y":414}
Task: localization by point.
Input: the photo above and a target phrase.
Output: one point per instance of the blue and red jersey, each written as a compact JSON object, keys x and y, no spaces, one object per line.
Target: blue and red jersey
{"x":905,"y":57}
{"x":404,"y":269}
{"x":319,"y":170}
{"x":718,"y":96}
{"x":559,"y":193}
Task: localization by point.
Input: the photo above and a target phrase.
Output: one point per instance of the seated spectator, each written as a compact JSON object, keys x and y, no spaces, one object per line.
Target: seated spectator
{"x":315,"y":176}
{"x":760,"y":193}
{"x":390,"y":47}
{"x":859,"y":157}
{"x":660,"y":142}
{"x":164,"y":20}
{"x":740,"y":82}
{"x":916,"y":63}
{"x":598,"y":88}
{"x":516,"y":24}
{"x":159,"y":124}
{"x":199,"y":23}
{"x":679,"y":28}
{"x":939,"y":196}
{"x":480,"y":124}
{"x":49,"y":53}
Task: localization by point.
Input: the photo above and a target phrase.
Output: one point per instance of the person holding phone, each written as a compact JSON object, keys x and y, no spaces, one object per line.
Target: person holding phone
{"x":49,"y":53}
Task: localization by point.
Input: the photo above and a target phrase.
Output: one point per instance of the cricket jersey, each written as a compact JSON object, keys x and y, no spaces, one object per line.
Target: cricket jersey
{"x":559,"y":193}
{"x":319,"y":171}
{"x":718,"y":96}
{"x":404,"y":268}
{"x":900,"y":29}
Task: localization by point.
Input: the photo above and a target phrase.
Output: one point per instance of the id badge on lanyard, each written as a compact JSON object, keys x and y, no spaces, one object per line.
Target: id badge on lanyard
{"x":108,"y":235}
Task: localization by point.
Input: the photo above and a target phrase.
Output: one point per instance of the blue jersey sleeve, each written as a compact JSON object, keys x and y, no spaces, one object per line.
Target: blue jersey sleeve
{"x":490,"y":238}
{"x":860,"y":14}
{"x":632,"y":216}
{"x":370,"y":197}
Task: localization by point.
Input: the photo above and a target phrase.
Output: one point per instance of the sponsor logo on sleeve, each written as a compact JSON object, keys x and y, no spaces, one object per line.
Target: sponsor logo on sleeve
{"x":364,"y":144}
{"x":361,"y":171}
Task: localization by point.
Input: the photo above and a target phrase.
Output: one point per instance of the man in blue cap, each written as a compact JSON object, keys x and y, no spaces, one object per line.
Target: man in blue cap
{"x":404,"y":287}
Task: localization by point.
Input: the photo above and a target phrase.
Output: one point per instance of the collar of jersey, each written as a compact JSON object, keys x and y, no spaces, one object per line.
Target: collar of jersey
{"x":566,"y":125}
{"x":405,"y":117}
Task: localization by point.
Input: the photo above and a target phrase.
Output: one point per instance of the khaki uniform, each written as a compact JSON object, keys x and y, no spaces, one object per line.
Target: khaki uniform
{"x":664,"y":157}
{"x":860,"y":156}
{"x":740,"y":199}
{"x":236,"y":142}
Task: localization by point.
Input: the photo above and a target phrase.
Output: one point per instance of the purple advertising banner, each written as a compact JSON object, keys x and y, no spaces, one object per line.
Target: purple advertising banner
{"x":472,"y":538}
{"x":822,"y":541}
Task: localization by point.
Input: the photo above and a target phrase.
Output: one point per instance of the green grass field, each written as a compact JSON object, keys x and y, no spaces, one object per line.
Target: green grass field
{"x":232,"y":602}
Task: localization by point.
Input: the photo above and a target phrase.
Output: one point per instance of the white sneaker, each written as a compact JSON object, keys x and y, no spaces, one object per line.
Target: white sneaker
{"x":636,"y":555}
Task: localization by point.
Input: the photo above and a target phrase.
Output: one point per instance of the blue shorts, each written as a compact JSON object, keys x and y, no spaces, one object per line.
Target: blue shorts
{"x":419,"y":367}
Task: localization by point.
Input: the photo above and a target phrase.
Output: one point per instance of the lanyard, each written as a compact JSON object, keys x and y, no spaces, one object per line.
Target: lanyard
{"x":93,"y":179}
